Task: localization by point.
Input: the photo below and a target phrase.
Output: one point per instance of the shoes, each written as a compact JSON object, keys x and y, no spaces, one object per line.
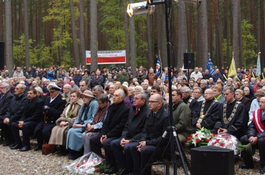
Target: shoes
{"x":244,"y":166}
{"x":25,"y":148}
{"x":7,"y":143}
{"x":38,"y":148}
{"x":111,"y":170}
{"x":72,"y":156}
{"x":16,"y":146}
{"x":262,"y":170}
{"x":12,"y":145}
{"x":123,"y":171}
{"x":62,"y":153}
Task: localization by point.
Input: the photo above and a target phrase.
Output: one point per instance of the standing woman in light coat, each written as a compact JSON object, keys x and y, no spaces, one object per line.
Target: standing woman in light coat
{"x":86,"y":115}
{"x":66,"y":120}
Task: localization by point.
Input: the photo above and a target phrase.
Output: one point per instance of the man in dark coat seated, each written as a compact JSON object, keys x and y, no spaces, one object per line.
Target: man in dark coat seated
{"x":208,"y":114}
{"x":112,"y":128}
{"x":131,"y":133}
{"x":53,"y":107}
{"x":255,"y":136}
{"x":5,"y":99}
{"x":15,"y":110}
{"x":232,"y":115}
{"x":190,"y":101}
{"x":31,"y":116}
{"x":156,"y":123}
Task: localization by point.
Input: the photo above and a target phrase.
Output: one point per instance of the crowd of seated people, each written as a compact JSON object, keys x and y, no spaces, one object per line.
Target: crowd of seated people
{"x":78,"y":112}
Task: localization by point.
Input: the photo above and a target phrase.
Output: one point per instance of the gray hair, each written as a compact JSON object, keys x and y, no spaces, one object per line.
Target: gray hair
{"x":143,"y":95}
{"x":6,"y":85}
{"x":186,"y":89}
{"x":122,"y":93}
{"x":231,"y":89}
{"x":98,"y":87}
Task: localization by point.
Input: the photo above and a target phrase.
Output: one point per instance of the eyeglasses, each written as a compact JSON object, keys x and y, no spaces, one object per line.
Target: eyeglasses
{"x":153,"y":102}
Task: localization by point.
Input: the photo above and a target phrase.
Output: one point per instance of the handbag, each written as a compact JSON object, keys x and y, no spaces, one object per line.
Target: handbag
{"x":47,"y":149}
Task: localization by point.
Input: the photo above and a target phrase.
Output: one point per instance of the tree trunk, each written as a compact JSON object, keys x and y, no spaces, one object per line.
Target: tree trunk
{"x":93,"y":35}
{"x":261,"y":31}
{"x":8,"y":37}
{"x":75,"y":45}
{"x":132,"y":44}
{"x":82,"y":33}
{"x":127,"y":45}
{"x":1,"y":21}
{"x":240,"y":51}
{"x":26,"y":32}
{"x":236,"y":10}
{"x":182,"y":34}
{"x":202,"y":34}
{"x":219,"y":49}
{"x":149,"y":41}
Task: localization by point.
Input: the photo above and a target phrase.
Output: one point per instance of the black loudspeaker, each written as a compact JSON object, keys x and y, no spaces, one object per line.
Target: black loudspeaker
{"x":188,"y":60}
{"x":2,"y":55}
{"x":209,"y":160}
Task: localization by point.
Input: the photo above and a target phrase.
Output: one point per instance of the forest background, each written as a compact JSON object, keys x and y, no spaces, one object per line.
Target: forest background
{"x":58,"y":32}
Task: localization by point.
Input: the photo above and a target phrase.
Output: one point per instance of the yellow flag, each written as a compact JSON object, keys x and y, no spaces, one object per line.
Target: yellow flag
{"x":232,"y":68}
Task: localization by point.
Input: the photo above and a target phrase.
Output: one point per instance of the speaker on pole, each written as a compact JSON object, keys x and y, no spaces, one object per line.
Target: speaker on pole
{"x":2,"y":55}
{"x":188,"y":60}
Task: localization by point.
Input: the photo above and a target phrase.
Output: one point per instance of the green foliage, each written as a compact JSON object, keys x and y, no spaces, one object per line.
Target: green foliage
{"x":112,"y":24}
{"x":39,"y":55}
{"x":249,"y":44}
{"x":224,"y":44}
{"x":59,"y":12}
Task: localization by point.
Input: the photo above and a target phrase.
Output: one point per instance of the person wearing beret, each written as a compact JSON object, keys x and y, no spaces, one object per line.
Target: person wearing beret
{"x":53,"y":107}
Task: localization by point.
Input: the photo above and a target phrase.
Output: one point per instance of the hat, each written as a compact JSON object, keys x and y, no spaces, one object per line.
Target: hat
{"x":260,"y":92}
{"x":53,"y":87}
{"x":88,"y":94}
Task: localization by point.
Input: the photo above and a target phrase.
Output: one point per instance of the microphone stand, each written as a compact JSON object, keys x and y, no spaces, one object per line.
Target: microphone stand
{"x":172,"y":127}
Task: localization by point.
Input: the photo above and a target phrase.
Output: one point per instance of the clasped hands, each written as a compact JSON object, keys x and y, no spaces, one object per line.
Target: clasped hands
{"x":141,"y":144}
{"x":253,"y":140}
{"x":222,"y":130}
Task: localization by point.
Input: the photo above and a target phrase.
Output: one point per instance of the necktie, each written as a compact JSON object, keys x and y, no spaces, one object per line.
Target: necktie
{"x":70,"y":110}
{"x":136,"y":111}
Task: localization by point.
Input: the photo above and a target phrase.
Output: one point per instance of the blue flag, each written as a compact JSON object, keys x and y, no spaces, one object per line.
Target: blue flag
{"x":258,"y":71}
{"x":158,"y":66}
{"x":209,"y":66}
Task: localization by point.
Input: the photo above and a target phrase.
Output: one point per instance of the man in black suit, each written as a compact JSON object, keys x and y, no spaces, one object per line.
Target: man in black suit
{"x":53,"y":107}
{"x":112,"y":128}
{"x":31,"y":116}
{"x":256,"y":137}
{"x":156,"y":123}
{"x":5,"y":99}
{"x":15,"y":110}
{"x":131,"y":133}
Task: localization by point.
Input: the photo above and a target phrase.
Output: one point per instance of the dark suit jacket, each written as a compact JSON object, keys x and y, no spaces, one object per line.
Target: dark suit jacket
{"x":33,"y":110}
{"x":116,"y":119}
{"x":56,"y":107}
{"x":16,"y":108}
{"x":252,"y":130}
{"x":135,"y":123}
{"x":5,"y":103}
{"x":155,"y":126}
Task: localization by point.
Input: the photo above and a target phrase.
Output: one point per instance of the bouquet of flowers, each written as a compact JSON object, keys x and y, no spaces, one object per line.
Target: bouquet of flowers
{"x":225,"y":140}
{"x":200,"y":138}
{"x":85,"y":164}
